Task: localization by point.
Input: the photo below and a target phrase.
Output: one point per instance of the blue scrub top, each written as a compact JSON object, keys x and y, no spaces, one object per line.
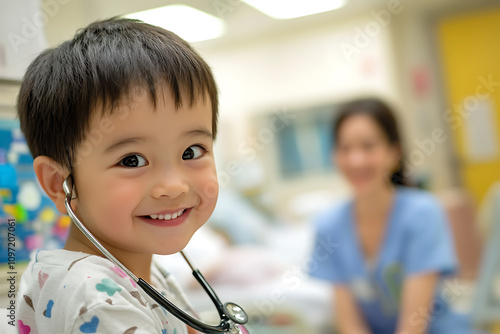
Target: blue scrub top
{"x":417,"y":240}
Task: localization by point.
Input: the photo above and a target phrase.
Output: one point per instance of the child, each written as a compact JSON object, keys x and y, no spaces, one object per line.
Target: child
{"x":130,"y":111}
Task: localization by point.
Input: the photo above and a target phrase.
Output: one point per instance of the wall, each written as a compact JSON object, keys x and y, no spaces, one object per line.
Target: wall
{"x":8,"y":93}
{"x":22,"y":36}
{"x":470,"y":50}
{"x":288,"y":72}
{"x":307,"y":68}
{"x":419,"y":78}
{"x":419,"y":62}
{"x":303,"y":67}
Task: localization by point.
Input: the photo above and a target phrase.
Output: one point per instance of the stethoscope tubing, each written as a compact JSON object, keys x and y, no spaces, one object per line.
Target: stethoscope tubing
{"x":224,"y":325}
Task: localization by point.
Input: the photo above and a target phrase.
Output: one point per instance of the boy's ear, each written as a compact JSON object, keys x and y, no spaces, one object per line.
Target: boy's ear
{"x":51,"y":176}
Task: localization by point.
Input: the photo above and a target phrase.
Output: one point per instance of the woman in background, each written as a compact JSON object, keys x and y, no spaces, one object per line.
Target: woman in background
{"x":387,"y":250}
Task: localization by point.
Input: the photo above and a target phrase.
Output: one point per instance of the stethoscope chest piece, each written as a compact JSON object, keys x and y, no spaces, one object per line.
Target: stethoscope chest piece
{"x":238,"y":329}
{"x":235,"y":313}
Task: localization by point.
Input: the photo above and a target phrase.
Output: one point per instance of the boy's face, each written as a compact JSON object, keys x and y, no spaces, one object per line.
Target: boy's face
{"x":146,"y":178}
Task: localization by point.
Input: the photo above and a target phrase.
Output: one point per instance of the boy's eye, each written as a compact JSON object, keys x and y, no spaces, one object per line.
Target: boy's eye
{"x":133,"y":160}
{"x":193,"y":152}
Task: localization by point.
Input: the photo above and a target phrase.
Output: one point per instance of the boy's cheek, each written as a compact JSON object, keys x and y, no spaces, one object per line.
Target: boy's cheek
{"x":116,"y":204}
{"x":210,"y":184}
{"x":211,"y":191}
{"x":104,"y":203}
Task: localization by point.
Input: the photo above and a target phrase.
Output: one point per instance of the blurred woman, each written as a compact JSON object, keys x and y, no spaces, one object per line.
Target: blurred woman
{"x":386,"y":250}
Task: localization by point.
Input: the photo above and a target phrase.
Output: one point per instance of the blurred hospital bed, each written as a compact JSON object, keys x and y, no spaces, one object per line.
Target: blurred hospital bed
{"x":264,"y":270}
{"x":261,"y":264}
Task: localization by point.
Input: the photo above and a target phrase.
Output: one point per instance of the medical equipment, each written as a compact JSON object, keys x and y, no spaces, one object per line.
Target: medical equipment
{"x":232,"y":316}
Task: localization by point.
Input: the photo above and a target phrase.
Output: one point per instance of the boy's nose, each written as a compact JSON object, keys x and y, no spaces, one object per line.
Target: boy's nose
{"x":170,"y":185}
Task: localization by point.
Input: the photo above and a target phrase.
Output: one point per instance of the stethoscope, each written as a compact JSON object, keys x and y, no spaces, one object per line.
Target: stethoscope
{"x":232,"y":316}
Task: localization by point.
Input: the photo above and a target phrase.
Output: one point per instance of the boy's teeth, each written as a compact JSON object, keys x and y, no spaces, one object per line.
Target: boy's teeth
{"x":168,"y":216}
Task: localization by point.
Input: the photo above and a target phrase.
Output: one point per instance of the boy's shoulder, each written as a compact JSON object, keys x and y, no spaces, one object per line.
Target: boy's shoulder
{"x":79,"y":276}
{"x":76,"y":287}
{"x":70,"y":270}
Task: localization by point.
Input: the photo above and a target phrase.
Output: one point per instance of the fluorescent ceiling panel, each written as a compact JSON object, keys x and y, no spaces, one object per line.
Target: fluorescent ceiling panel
{"x":191,"y":24}
{"x":288,"y":9}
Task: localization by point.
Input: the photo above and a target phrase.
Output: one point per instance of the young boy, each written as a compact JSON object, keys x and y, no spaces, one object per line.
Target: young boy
{"x":130,"y":111}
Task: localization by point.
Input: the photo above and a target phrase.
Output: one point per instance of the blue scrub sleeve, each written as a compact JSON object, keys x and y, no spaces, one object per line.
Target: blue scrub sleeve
{"x":326,"y":257}
{"x":429,"y":245}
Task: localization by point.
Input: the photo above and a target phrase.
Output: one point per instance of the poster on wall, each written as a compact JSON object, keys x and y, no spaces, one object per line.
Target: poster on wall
{"x":481,"y":140}
{"x":22,"y":36}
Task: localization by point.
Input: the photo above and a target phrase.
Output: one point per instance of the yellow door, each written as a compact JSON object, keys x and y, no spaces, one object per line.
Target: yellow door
{"x":470,"y":54}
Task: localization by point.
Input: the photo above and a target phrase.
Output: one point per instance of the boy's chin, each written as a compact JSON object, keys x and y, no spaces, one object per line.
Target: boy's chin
{"x":172,"y":249}
{"x":169,"y":252}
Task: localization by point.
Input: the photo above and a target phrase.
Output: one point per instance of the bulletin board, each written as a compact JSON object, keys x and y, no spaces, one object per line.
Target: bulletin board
{"x":38,"y":224}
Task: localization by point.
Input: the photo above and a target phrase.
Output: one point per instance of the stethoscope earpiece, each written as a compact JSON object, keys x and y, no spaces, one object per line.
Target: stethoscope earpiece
{"x":69,"y":187}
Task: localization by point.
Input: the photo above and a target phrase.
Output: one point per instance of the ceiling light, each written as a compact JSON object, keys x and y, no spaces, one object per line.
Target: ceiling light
{"x":288,"y":9}
{"x":189,"y":23}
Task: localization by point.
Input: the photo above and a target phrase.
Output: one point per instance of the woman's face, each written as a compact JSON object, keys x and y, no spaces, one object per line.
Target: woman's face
{"x":364,"y":154}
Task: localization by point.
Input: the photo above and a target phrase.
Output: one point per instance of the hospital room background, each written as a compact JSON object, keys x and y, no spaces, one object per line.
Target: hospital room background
{"x":282,"y":76}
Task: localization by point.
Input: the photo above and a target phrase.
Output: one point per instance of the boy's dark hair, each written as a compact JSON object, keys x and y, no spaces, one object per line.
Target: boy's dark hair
{"x":63,"y":87}
{"x":383,"y":116}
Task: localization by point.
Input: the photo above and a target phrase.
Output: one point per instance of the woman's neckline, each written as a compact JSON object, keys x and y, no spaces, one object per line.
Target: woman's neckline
{"x":370,"y":264}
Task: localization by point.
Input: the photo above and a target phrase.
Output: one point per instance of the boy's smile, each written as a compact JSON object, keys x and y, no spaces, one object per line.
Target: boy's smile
{"x":148,"y":182}
{"x":167,"y":218}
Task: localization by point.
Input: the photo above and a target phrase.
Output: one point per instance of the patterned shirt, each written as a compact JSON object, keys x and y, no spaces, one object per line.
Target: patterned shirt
{"x":71,"y":292}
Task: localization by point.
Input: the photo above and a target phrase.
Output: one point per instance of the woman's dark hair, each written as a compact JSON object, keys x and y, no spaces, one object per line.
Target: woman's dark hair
{"x":100,"y":67}
{"x":382,"y":114}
